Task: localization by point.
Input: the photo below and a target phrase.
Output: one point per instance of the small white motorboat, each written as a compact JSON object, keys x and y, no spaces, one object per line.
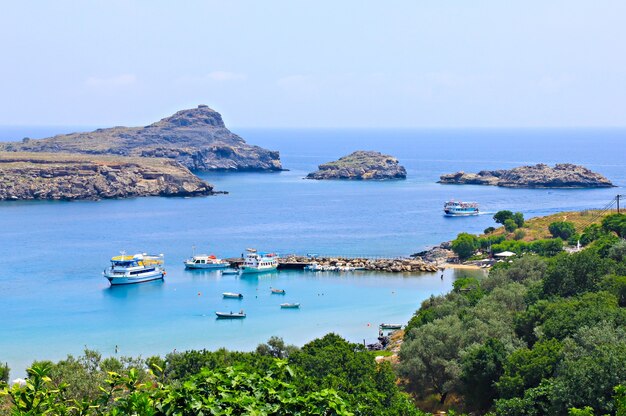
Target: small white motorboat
{"x":230,"y":315}
{"x":290,"y":305}
{"x":231,"y":295}
{"x":277,"y":291}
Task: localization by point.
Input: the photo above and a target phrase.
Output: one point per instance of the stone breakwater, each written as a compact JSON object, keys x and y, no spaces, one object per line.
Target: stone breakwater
{"x":57,"y":176}
{"x":361,"y":165}
{"x":563,"y":175}
{"x":391,"y":265}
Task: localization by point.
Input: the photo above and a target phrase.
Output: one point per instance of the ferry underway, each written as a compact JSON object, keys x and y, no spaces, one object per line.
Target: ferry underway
{"x":126,"y":270}
{"x":459,"y":208}
{"x":259,"y":262}
{"x":204,"y":261}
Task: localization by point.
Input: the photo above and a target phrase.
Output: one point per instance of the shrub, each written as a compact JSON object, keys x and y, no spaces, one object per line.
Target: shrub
{"x":562,"y":229}
{"x":518,"y":217}
{"x":465,"y":245}
{"x":519,"y":234}
{"x":489,"y":230}
{"x":510,"y":225}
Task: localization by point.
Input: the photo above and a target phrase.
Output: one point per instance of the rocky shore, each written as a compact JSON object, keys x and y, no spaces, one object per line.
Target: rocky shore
{"x":361,"y":165}
{"x":197,"y":138}
{"x":60,"y":176}
{"x":392,"y":265}
{"x":563,"y":175}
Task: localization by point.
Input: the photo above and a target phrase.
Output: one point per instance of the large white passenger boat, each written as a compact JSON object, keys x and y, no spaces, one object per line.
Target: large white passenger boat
{"x":259,"y":262}
{"x":126,"y":270}
{"x":460,"y":208}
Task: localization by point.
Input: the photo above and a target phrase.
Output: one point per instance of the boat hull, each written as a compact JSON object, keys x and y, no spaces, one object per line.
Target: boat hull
{"x":461,"y":214}
{"x":214,"y":266}
{"x":290,"y":306}
{"x":131,"y":280}
{"x":222,"y":315}
{"x":257,"y":270}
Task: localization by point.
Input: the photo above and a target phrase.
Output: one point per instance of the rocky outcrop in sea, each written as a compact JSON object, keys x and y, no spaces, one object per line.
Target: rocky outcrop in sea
{"x":562,"y":175}
{"x":361,"y":165}
{"x":59,"y":176}
{"x":196,"y":137}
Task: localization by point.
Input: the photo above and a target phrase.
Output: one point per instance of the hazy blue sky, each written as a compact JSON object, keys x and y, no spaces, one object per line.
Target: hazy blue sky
{"x":315,"y":63}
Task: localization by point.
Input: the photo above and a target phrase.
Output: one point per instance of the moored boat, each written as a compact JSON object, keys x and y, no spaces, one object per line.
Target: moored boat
{"x":205,"y":261}
{"x":230,"y":315}
{"x":139,"y":268}
{"x":277,"y":291}
{"x":460,"y":208}
{"x":230,"y":271}
{"x":390,"y":326}
{"x":255,"y":262}
{"x":231,"y":295}
{"x":290,"y":305}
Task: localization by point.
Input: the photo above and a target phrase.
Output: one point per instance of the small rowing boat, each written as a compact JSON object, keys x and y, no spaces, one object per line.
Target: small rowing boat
{"x":231,"y":295}
{"x":278,"y":291}
{"x":290,"y":305}
{"x":230,"y":315}
{"x":230,"y":271}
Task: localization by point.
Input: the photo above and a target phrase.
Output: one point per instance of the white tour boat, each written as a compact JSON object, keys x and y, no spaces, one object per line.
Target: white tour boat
{"x":460,"y":208}
{"x":139,"y":268}
{"x":259,"y":262}
{"x":205,"y":261}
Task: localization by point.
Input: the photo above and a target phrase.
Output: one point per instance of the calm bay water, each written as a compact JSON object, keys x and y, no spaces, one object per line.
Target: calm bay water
{"x":55,"y":301}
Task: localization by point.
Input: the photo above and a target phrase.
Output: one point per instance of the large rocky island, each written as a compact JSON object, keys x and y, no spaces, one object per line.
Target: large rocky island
{"x":62,"y":176}
{"x":196,"y":137}
{"x":361,"y":165}
{"x":563,"y":175}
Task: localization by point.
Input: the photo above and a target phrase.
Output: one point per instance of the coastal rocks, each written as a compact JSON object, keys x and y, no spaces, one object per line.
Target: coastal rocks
{"x":437,"y":255}
{"x":361,"y":165}
{"x":196,"y":137}
{"x":58,"y":176}
{"x":563,"y":175}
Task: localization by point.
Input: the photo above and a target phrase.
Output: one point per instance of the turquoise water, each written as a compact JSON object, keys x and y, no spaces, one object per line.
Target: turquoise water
{"x":55,"y":301}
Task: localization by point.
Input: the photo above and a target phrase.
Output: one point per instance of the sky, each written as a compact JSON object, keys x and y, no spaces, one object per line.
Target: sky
{"x":318,"y":64}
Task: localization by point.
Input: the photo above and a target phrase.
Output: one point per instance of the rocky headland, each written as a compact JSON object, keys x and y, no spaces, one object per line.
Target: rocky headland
{"x":361,"y":165}
{"x":563,"y":175}
{"x":197,"y":138}
{"x":62,"y":176}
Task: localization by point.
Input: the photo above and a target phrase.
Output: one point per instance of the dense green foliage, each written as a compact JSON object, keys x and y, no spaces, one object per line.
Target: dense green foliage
{"x":562,"y":229}
{"x":4,"y":373}
{"x":464,"y":245}
{"x":545,"y":334}
{"x":328,"y":376}
{"x":517,"y":219}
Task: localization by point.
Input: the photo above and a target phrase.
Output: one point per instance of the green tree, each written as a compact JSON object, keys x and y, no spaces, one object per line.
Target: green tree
{"x":465,"y":245}
{"x":276,"y":347}
{"x":510,"y":225}
{"x":489,"y":230}
{"x":572,"y":274}
{"x":615,"y":223}
{"x":591,"y":233}
{"x":482,"y":366}
{"x":562,"y":229}
{"x":518,"y":217}
{"x":502,"y":216}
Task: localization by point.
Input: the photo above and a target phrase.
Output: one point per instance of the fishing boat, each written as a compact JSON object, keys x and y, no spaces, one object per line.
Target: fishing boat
{"x":277,"y":291}
{"x":231,"y":295}
{"x":390,"y":326}
{"x":230,"y":271}
{"x":139,"y":268}
{"x":460,"y":208}
{"x":255,"y":262}
{"x":230,"y":315}
{"x":290,"y":305}
{"x":205,"y":261}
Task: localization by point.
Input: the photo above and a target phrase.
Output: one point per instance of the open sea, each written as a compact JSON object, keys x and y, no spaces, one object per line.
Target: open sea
{"x":55,"y":301}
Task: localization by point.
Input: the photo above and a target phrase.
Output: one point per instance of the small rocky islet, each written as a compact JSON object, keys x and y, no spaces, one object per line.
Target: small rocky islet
{"x":63,"y":176}
{"x":562,"y":175}
{"x":361,"y":165}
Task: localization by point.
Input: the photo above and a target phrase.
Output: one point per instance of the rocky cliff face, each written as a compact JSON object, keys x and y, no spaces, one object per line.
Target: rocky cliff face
{"x":197,"y":138}
{"x":564,"y":175}
{"x":59,"y":176}
{"x":361,"y":165}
